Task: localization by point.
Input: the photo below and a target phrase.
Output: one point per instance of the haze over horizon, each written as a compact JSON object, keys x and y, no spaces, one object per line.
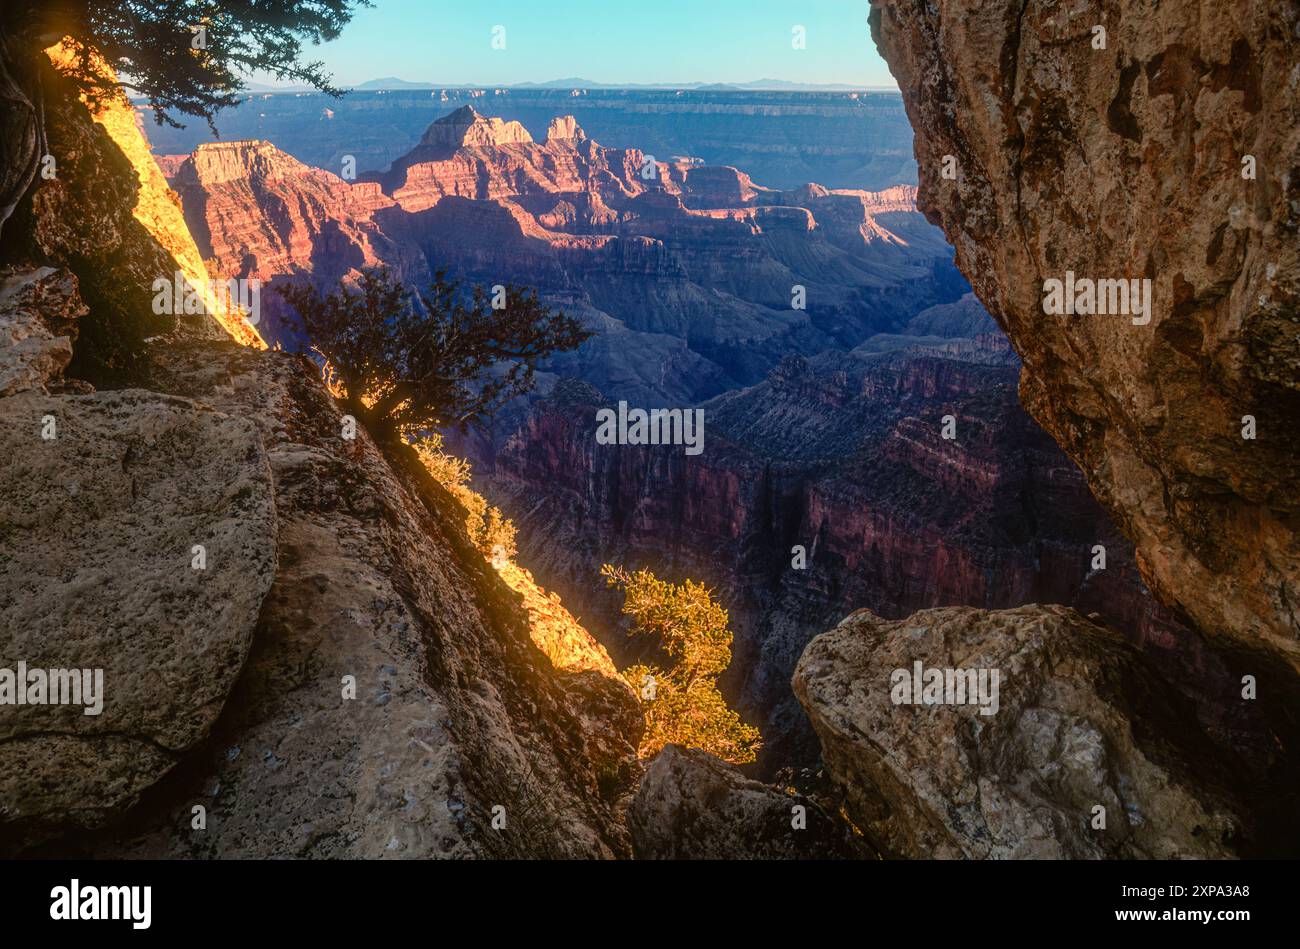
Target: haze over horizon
{"x":674,"y":43}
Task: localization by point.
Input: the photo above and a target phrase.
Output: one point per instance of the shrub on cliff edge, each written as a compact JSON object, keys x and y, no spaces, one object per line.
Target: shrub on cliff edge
{"x":439,"y":357}
{"x":680,"y":697}
{"x":490,"y":530}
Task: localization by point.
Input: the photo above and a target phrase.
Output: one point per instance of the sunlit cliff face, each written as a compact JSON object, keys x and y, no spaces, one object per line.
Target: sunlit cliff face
{"x":157,"y":207}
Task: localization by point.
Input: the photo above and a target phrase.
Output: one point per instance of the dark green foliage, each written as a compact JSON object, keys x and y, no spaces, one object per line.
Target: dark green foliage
{"x":451,"y":360}
{"x":152,"y":48}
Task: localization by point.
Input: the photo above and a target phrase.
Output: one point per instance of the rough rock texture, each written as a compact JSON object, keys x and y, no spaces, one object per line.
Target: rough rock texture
{"x":693,"y":806}
{"x":1082,"y":720}
{"x":156,"y":206}
{"x":103,"y":212}
{"x":97,"y":537}
{"x":1127,"y":162}
{"x":241,"y":691}
{"x":38,"y":311}
{"x":456,"y":710}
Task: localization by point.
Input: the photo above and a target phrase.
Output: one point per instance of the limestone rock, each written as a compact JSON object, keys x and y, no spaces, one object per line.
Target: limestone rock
{"x":451,"y":711}
{"x":693,"y":806}
{"x":1082,"y":721}
{"x":38,"y":310}
{"x":97,"y":571}
{"x":158,"y":209}
{"x":1167,"y":149}
{"x":564,"y":128}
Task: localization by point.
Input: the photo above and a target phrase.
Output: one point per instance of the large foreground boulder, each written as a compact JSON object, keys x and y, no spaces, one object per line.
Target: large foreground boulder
{"x":137,"y":541}
{"x":38,"y":310}
{"x":1062,"y":743}
{"x":693,"y":806}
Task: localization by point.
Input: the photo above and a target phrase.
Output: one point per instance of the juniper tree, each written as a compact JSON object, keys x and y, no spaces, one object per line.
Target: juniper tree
{"x":183,"y":57}
{"x":408,"y":361}
{"x":680,"y":694}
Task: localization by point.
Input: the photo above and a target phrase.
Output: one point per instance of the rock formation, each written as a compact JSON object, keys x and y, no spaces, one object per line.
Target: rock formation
{"x":693,"y":268}
{"x":138,"y":538}
{"x":103,"y":213}
{"x":465,"y":128}
{"x":1086,"y":751}
{"x":692,"y":806}
{"x":841,"y":139}
{"x":1167,"y":148}
{"x":38,"y":312}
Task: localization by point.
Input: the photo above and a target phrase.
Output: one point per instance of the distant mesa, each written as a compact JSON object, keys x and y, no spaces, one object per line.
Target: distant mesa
{"x":564,"y":128}
{"x":467,"y":128}
{"x":695,"y":255}
{"x":391,"y":82}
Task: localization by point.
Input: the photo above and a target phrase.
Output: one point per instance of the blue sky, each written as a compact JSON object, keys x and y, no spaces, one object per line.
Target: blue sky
{"x":608,"y":41}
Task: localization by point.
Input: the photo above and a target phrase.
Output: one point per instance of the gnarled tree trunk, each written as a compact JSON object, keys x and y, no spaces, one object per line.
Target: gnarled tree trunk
{"x":22,"y":122}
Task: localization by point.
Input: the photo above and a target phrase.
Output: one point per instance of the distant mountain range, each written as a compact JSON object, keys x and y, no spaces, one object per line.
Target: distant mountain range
{"x":387,"y":83}
{"x":776,"y":85}
{"x":781,"y":138}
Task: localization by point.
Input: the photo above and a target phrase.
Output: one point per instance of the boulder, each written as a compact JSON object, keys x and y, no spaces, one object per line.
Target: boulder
{"x":38,"y":310}
{"x":693,"y":806}
{"x":137,"y":540}
{"x":1069,"y":746}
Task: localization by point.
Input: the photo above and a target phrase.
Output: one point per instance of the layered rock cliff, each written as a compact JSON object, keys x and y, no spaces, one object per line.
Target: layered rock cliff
{"x":687,"y":272}
{"x":1132,"y":142}
{"x":841,"y":139}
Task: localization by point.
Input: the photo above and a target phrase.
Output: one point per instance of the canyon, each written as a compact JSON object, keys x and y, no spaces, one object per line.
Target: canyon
{"x":871,"y":493}
{"x":823,"y":420}
{"x":841,"y":139}
{"x":696,"y":279}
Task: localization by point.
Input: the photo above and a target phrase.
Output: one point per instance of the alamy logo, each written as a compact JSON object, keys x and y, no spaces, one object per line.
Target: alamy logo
{"x":236,"y":298}
{"x":53,"y":687}
{"x":103,"y":902}
{"x":946,"y":686}
{"x":1085,"y":297}
{"x":655,"y":427}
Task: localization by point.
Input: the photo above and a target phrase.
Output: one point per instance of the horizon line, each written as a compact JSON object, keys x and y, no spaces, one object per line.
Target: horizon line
{"x":751,"y":85}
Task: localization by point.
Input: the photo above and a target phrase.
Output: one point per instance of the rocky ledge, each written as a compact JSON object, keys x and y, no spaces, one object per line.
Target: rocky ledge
{"x":1023,"y":733}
